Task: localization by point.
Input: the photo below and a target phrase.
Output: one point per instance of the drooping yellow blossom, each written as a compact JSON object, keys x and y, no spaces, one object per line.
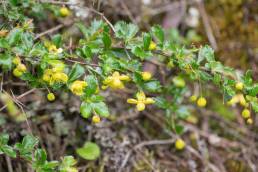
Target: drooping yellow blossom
{"x":115,"y":81}
{"x":249,"y":121}
{"x":20,"y":68}
{"x":16,"y":60}
{"x":239,"y":86}
{"x":193,"y":98}
{"x":51,"y":97}
{"x":152,"y":46}
{"x":246,"y":113}
{"x":146,"y":76}
{"x":180,"y":144}
{"x":53,"y":49}
{"x":239,"y":98}
{"x":53,"y":76}
{"x":201,"y":102}
{"x":141,"y":101}
{"x":64,"y":11}
{"x":96,"y":119}
{"x":77,"y":87}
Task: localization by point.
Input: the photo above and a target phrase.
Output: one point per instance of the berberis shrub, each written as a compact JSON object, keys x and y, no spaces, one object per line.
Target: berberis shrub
{"x":107,"y":58}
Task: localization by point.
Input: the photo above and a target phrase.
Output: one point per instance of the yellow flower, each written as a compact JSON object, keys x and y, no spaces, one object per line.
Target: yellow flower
{"x":16,"y":60}
{"x":180,"y":144}
{"x":146,"y":76}
{"x":201,"y":102}
{"x":246,"y":113}
{"x":52,"y":48}
{"x":21,"y":67}
{"x":249,"y":121}
{"x":141,"y":101}
{"x":17,"y":72}
{"x":152,"y":46}
{"x":239,"y":86}
{"x":78,"y":87}
{"x":193,"y":98}
{"x":51,"y":97}
{"x":96,"y":119}
{"x":64,"y":11}
{"x":115,"y":81}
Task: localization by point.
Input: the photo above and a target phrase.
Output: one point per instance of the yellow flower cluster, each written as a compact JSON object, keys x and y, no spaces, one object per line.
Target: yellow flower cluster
{"x":52,"y":48}
{"x":53,"y":75}
{"x":141,"y":101}
{"x":20,"y":68}
{"x":239,"y":98}
{"x":77,"y":87}
{"x":115,"y":81}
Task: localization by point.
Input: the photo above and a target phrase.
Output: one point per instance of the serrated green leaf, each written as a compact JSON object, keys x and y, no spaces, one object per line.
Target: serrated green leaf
{"x":125,"y":31}
{"x":8,"y":150}
{"x":207,"y":53}
{"x":5,"y":61}
{"x":4,"y":138}
{"x":85,"y":109}
{"x":158,"y":33}
{"x":92,"y":85}
{"x":101,"y":109}
{"x":14,"y":36}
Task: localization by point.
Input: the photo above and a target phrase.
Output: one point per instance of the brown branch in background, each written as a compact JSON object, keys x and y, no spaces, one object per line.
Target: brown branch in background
{"x":49,"y":31}
{"x":206,"y":23}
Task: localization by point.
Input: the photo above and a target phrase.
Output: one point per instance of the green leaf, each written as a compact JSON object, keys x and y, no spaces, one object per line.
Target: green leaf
{"x":50,"y":166}
{"x":14,"y":36}
{"x":106,"y":40}
{"x":76,"y":72}
{"x":5,"y":61}
{"x":8,"y":150}
{"x":158,"y":33}
{"x":90,"y":151}
{"x":161,"y":102}
{"x":29,"y":142}
{"x":207,"y":53}
{"x":255,"y":106}
{"x":125,"y":31}
{"x":86,"y":51}
{"x":85,"y":109}
{"x":146,"y":40}
{"x":101,"y":109}
{"x":4,"y":138}
{"x":253,"y":90}
{"x":40,"y":156}
{"x":179,"y":129}
{"x":139,"y":52}
{"x":152,"y":86}
{"x":57,"y":40}
{"x":92,"y":85}
{"x":3,"y":43}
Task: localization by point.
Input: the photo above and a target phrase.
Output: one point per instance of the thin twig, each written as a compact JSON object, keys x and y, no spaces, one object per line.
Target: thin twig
{"x":49,"y":31}
{"x":19,"y":97}
{"x":57,"y":2}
